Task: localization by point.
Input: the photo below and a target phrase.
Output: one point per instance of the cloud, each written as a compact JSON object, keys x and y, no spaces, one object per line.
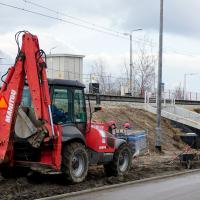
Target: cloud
{"x":180,"y":16}
{"x":181,"y":26}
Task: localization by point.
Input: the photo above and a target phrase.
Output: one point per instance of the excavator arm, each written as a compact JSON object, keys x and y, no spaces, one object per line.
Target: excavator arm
{"x":30,"y":66}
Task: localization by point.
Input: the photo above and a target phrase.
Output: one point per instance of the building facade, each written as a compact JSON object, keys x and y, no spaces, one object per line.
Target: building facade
{"x":65,"y":66}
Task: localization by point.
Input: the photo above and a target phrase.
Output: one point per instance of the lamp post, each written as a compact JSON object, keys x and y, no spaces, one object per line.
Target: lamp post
{"x":132,"y":80}
{"x":52,"y":49}
{"x":159,"y":92}
{"x":185,"y":82}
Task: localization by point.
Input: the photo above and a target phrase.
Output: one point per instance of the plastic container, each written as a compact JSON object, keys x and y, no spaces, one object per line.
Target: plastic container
{"x":136,"y":139}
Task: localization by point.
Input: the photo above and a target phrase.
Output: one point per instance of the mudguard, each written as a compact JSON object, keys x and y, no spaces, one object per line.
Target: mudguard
{"x":70,"y":132}
{"x":119,"y":142}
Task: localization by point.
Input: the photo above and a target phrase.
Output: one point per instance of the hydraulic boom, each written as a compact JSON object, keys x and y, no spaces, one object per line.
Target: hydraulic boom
{"x":30,"y":66}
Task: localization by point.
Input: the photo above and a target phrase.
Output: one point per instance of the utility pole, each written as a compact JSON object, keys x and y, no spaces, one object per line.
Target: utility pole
{"x":159,"y":92}
{"x":131,"y":64}
{"x":185,"y":83}
{"x":132,"y":81}
{"x":52,"y":49}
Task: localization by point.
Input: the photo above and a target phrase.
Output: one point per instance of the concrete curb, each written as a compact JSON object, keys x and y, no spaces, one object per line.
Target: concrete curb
{"x":72,"y":194}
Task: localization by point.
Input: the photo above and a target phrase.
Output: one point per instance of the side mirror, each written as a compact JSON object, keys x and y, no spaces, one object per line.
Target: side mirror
{"x":97,"y":108}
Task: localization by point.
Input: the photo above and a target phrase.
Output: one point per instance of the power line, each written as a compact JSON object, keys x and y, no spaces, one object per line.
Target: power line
{"x":6,"y":64}
{"x":81,"y":20}
{"x":70,"y":16}
{"x":84,"y":21}
{"x":94,"y":28}
{"x":176,"y":52}
{"x":60,"y":19}
{"x":113,"y":33}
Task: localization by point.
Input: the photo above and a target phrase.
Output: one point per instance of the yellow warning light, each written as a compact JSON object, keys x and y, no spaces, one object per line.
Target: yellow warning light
{"x":3,"y":103}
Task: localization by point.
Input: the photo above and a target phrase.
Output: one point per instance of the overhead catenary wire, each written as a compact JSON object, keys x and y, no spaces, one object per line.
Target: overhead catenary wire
{"x":62,"y":20}
{"x":112,"y":33}
{"x":70,"y":16}
{"x":82,"y":20}
{"x":94,"y":28}
{"x":96,"y":25}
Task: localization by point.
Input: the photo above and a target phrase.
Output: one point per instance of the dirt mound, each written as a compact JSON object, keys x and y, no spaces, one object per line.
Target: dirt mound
{"x":142,"y":120}
{"x":197,"y":110}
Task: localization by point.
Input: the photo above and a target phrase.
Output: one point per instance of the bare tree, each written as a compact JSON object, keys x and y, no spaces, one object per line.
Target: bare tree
{"x":145,"y":70}
{"x":104,"y":79}
{"x":178,"y":92}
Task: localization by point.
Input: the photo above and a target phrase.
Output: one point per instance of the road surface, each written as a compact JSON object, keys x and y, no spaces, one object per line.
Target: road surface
{"x":185,"y":187}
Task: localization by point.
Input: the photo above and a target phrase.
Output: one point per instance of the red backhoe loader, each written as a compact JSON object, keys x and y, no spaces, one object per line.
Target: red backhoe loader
{"x":44,"y":125}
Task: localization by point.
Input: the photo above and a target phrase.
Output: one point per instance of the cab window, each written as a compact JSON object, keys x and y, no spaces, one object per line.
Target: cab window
{"x":62,"y":106}
{"x":79,"y":106}
{"x":26,"y":98}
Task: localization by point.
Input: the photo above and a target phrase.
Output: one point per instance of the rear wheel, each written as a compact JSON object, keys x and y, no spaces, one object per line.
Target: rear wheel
{"x":121,"y":162}
{"x":74,"y":162}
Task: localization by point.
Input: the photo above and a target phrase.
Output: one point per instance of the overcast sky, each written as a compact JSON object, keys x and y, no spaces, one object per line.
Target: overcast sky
{"x":181,"y":32}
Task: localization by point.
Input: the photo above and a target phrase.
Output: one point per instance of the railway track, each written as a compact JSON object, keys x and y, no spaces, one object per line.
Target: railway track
{"x":115,"y":98}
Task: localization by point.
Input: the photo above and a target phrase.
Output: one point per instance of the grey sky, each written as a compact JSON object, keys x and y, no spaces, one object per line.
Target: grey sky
{"x":181,"y":26}
{"x":181,"y":16}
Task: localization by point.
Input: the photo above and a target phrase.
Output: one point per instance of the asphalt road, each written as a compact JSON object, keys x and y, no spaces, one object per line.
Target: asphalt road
{"x":185,"y":187}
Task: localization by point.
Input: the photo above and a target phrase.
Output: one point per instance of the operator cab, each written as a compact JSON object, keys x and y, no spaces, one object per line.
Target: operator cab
{"x":68,"y":102}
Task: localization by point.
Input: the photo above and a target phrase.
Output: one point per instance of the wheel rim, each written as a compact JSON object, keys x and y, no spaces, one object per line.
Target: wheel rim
{"x":123,"y":161}
{"x":78,"y":164}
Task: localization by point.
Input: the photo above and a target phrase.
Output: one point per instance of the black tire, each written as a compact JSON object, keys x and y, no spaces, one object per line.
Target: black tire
{"x":74,"y":162}
{"x":121,"y":162}
{"x":6,"y":172}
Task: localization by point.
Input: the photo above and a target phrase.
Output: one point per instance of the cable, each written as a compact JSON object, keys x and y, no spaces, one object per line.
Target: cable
{"x":115,"y":34}
{"x":17,"y":41}
{"x":84,"y":21}
{"x":4,"y":76}
{"x":62,"y":20}
{"x":9,"y":64}
{"x":70,"y":16}
{"x":111,"y":32}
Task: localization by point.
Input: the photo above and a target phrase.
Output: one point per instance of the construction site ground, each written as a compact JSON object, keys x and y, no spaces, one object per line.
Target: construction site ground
{"x":148,"y":165}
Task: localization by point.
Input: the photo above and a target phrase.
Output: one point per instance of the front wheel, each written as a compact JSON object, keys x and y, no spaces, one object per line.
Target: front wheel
{"x":74,"y":162}
{"x":121,"y":162}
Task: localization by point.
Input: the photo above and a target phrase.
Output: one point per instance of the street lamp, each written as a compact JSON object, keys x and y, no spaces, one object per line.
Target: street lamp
{"x":52,"y":49}
{"x":184,"y":83}
{"x":131,"y":59}
{"x":159,"y":92}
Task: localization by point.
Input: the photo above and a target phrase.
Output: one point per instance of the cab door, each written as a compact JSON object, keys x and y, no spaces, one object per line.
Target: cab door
{"x":80,"y":115}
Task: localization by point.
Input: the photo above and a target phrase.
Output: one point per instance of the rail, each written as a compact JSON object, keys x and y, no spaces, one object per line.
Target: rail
{"x":115,"y":98}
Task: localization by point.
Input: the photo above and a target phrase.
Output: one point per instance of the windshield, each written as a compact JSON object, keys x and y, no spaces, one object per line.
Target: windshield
{"x":68,"y":104}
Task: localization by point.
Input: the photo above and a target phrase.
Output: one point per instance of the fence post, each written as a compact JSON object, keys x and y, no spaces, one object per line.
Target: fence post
{"x":164,"y":100}
{"x":145,"y":97}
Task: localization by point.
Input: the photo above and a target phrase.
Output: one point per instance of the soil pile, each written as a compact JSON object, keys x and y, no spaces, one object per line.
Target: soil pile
{"x":142,"y":120}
